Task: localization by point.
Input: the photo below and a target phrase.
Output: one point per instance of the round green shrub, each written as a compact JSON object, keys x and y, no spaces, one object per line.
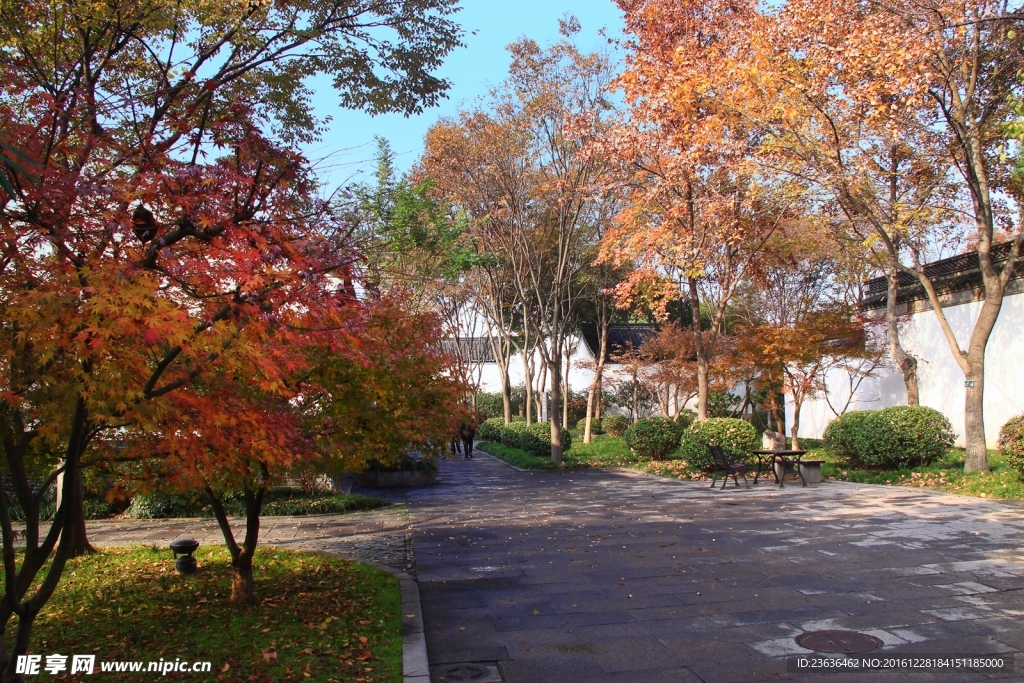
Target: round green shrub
{"x":653,"y":438}
{"x":891,"y":438}
{"x":1011,"y":444}
{"x":843,"y":438}
{"x":536,"y":440}
{"x":512,"y":434}
{"x":736,"y":437}
{"x":490,"y":429}
{"x":595,"y":426}
{"x":614,"y":425}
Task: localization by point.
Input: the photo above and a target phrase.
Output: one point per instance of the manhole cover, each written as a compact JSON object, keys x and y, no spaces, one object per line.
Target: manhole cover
{"x":466,"y":671}
{"x":846,"y":642}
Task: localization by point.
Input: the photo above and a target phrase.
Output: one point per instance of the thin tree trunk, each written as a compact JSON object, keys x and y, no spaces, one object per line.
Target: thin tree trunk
{"x":906,"y":363}
{"x":556,"y":390}
{"x":506,"y":397}
{"x":241,"y":556}
{"x":566,"y":391}
{"x":797,"y":401}
{"x":701,"y":350}
{"x":79,"y":544}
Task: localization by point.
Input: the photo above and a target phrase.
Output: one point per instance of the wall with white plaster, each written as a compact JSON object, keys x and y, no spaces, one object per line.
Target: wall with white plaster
{"x":940,"y":380}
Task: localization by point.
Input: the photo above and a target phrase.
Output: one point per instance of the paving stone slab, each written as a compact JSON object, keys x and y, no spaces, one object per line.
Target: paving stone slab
{"x":918,"y":569}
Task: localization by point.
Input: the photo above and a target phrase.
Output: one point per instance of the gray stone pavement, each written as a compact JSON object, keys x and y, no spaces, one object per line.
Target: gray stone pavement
{"x":596,"y":576}
{"x":381,"y":536}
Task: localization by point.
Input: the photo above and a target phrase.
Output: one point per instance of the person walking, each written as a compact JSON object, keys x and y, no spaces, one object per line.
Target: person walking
{"x":467,"y":431}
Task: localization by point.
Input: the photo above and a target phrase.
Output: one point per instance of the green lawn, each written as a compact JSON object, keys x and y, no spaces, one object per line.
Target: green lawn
{"x":318,"y":618}
{"x":947,"y":475}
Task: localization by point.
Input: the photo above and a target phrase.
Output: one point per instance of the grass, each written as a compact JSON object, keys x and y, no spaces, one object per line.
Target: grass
{"x":515,"y":456}
{"x":947,"y":474}
{"x":317,"y":619}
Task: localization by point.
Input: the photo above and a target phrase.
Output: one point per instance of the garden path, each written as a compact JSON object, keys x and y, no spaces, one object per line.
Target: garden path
{"x":595,"y":576}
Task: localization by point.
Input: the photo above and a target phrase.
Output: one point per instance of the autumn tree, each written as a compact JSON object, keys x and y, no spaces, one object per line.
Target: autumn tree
{"x":401,"y":391}
{"x":515,"y":164}
{"x":700,"y":207}
{"x":899,"y":112}
{"x":163,"y":229}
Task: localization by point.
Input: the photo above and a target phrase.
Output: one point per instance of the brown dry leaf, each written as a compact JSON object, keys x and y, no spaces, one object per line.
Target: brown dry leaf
{"x":225,"y":668}
{"x":267,"y":656}
{"x":365,"y":656}
{"x":307,"y":651}
{"x":363,"y":639}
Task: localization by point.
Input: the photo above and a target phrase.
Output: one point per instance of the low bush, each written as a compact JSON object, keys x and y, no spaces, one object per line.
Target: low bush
{"x":736,"y":437}
{"x":490,"y":429}
{"x":275,"y":502}
{"x":512,"y":433}
{"x":614,"y":425}
{"x":891,"y":438}
{"x":536,"y":439}
{"x":1011,"y":444}
{"x":493,"y":405}
{"x":595,"y":426}
{"x":843,"y":438}
{"x":652,"y":438}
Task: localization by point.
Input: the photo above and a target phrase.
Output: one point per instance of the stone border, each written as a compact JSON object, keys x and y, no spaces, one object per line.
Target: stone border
{"x":415,"y":667}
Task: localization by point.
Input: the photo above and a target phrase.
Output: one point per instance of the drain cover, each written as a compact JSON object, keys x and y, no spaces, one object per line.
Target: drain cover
{"x":466,"y":671}
{"x":846,"y":642}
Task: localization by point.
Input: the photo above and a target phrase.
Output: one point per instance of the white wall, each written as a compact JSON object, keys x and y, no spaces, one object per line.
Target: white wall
{"x":940,"y":380}
{"x":580,"y":379}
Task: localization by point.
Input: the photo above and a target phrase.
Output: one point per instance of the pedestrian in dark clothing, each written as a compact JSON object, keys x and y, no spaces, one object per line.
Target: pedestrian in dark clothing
{"x":456,"y":444}
{"x":467,"y":431}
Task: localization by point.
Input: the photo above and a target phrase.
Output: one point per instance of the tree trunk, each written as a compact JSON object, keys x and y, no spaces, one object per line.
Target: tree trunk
{"x":506,"y":397}
{"x":556,"y":396}
{"x":700,"y":349}
{"x":976,"y":457}
{"x":566,"y":392}
{"x":241,"y":579}
{"x":590,"y":415}
{"x":76,"y":528}
{"x":797,"y":401}
{"x":702,"y":389}
{"x":241,"y":556}
{"x":907,"y":363}
{"x":594,"y":398}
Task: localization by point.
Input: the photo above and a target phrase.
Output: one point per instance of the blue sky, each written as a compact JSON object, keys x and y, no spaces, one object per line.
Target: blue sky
{"x":347,"y":147}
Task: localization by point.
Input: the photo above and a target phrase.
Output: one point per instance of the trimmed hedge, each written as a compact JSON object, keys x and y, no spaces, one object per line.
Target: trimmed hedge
{"x":490,"y":429}
{"x":536,"y":439}
{"x":1011,"y":444}
{"x":614,"y":425}
{"x":276,"y":502}
{"x":653,"y":437}
{"x":736,"y":437}
{"x":891,"y":438}
{"x":595,"y":426}
{"x":512,"y":434}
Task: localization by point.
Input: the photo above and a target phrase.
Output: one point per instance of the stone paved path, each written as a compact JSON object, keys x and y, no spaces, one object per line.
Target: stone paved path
{"x":378,"y":535}
{"x":596,"y":576}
